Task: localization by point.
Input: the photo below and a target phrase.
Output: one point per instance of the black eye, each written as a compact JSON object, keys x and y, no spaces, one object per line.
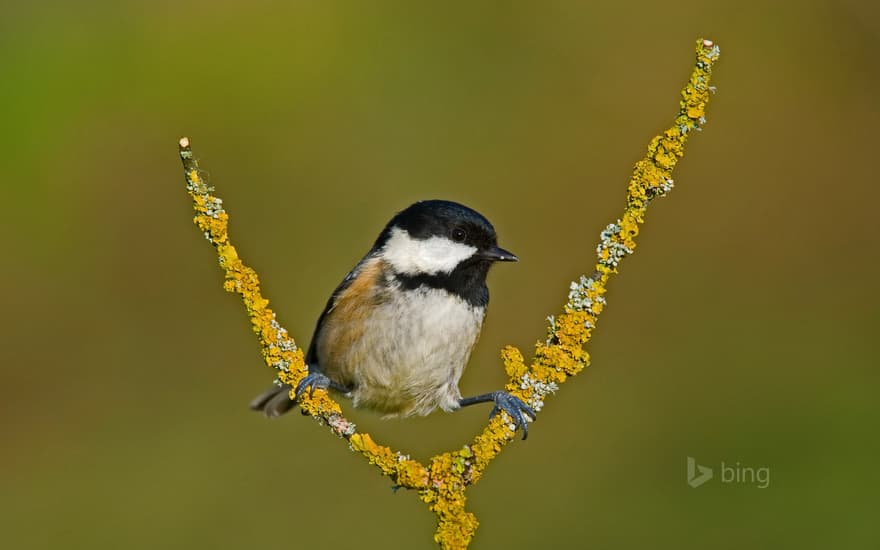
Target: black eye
{"x":459,"y":235}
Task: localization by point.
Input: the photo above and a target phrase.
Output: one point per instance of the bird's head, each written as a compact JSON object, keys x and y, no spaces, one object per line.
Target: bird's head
{"x":438,"y":238}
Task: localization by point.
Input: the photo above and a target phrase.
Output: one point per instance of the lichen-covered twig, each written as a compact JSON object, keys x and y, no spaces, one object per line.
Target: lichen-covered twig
{"x":278,"y":348}
{"x":442,"y":483}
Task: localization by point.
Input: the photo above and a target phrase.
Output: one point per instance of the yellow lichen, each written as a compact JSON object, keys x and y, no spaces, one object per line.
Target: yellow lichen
{"x":443,"y":482}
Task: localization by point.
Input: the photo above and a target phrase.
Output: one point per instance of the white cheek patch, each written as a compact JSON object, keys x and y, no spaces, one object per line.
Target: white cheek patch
{"x":429,"y":256}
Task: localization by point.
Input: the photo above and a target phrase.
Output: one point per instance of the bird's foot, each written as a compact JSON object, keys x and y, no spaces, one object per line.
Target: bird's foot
{"x":516,"y":408}
{"x":519,"y":412}
{"x":314,"y":380}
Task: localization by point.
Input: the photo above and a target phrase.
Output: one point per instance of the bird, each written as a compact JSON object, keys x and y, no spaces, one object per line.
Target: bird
{"x":398,"y":331}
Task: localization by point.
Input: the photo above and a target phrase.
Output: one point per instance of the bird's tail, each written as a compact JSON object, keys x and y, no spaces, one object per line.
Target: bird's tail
{"x":275,"y":401}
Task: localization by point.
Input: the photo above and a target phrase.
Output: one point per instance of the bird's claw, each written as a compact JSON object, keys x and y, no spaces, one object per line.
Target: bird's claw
{"x":521,"y":413}
{"x":313,"y":381}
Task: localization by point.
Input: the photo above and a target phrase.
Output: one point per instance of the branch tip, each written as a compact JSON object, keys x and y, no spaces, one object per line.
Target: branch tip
{"x":706,"y":42}
{"x":184,"y":143}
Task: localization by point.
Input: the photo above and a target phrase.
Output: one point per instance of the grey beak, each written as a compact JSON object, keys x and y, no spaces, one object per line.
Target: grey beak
{"x":498,"y":254}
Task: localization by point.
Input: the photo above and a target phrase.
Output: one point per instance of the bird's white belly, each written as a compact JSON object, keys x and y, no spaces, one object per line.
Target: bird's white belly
{"x":411,"y":353}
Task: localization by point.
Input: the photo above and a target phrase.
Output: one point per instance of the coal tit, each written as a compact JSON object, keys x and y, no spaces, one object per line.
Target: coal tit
{"x":396,"y":334}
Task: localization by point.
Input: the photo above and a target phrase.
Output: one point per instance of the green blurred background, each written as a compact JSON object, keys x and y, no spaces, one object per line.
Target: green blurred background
{"x":742,"y":330}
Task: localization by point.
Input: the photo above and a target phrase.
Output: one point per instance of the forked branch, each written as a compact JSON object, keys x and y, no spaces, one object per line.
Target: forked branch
{"x":442,"y":483}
